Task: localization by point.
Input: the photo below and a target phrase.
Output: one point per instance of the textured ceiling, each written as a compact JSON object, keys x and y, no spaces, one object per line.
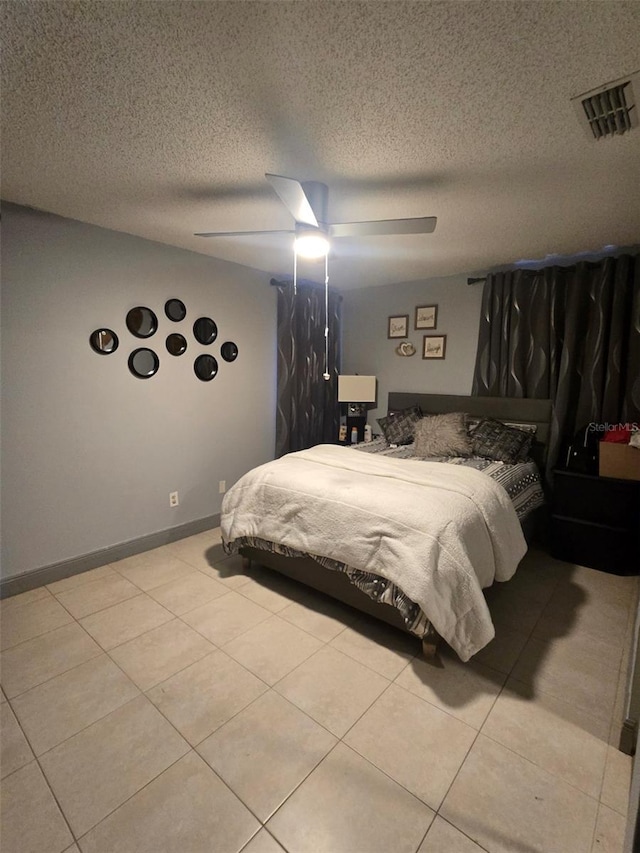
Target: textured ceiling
{"x":160,"y":119}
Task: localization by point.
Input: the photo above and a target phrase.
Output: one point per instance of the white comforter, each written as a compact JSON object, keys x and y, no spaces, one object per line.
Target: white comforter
{"x":440,"y":532}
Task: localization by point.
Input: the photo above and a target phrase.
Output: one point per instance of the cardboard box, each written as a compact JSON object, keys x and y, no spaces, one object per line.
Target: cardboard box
{"x":619,"y":460}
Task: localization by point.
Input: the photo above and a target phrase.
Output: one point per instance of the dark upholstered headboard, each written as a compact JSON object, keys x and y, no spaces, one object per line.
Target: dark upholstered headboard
{"x":512,"y":409}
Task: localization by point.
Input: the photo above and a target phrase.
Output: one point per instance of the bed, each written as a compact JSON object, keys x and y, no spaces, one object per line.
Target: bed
{"x":332,"y":518}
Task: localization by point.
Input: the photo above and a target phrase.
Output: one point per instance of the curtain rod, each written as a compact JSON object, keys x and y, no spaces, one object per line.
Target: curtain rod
{"x":278,"y":282}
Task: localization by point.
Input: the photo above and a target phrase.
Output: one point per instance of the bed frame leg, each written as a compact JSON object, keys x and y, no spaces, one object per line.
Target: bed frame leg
{"x":430,"y":644}
{"x":246,"y":563}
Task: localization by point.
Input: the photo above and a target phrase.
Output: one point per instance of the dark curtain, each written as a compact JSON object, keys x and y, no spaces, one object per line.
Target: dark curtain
{"x":569,"y":334}
{"x":308,"y":412}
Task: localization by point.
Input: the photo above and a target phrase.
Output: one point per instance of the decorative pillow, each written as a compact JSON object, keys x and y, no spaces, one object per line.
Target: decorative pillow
{"x":531,"y":430}
{"x":399,"y":427}
{"x":443,"y":435}
{"x":472,"y":423}
{"x":494,"y":440}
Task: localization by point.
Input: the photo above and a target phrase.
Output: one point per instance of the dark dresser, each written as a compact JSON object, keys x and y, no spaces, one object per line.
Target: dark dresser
{"x":595,"y":522}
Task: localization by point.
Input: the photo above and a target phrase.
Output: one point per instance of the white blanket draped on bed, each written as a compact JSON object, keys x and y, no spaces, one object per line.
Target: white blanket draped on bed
{"x":440,"y":532}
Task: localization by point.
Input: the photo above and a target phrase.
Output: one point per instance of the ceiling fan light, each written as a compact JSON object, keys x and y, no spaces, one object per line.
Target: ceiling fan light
{"x":311,"y":243}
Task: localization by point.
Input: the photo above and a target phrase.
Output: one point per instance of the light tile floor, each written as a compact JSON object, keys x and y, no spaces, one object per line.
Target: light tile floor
{"x":172,"y":702}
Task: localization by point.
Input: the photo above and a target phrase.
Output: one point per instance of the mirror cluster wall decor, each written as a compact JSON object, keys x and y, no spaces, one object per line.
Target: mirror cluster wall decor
{"x":229,"y":351}
{"x":176,"y":344}
{"x":175,"y":310}
{"x":205,"y":367}
{"x":205,"y":330}
{"x":104,"y":341}
{"x":143,"y":363}
{"x":142,"y":322}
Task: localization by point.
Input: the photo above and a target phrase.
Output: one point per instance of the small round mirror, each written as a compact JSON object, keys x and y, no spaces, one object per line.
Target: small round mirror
{"x":143,"y":363}
{"x":229,"y":351}
{"x":104,"y":341}
{"x":175,"y":310}
{"x":205,"y":330}
{"x":205,"y":367}
{"x":176,"y":344}
{"x":142,"y":322}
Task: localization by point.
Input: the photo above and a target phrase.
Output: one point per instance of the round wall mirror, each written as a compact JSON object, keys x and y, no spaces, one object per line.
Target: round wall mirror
{"x":143,"y":363}
{"x":205,"y":367}
{"x":205,"y":330}
{"x":176,"y":344}
{"x":229,"y":351}
{"x":142,"y":322}
{"x":175,"y":310}
{"x":104,"y":341}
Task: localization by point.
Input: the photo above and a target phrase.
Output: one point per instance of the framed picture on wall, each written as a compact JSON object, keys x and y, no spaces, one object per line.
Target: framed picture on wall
{"x":434,"y":346}
{"x":426,"y":316}
{"x":398,"y":326}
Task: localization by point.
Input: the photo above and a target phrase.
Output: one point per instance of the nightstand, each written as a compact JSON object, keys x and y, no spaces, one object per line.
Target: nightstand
{"x":595,"y":522}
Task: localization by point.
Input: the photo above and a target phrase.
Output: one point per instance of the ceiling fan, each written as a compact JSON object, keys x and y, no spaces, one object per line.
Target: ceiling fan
{"x":307,"y":202}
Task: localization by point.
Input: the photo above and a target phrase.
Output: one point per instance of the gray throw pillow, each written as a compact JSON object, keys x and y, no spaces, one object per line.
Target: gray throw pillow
{"x":443,"y":435}
{"x":493,"y":440}
{"x":522,"y":454}
{"x":399,"y":427}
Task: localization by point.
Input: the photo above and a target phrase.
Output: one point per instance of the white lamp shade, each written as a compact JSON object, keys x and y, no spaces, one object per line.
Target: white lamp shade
{"x":356,"y":389}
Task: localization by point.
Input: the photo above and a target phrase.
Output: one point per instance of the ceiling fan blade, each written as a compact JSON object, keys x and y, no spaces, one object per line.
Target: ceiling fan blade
{"x":294,"y":199}
{"x":238,"y":233}
{"x":417,"y":225}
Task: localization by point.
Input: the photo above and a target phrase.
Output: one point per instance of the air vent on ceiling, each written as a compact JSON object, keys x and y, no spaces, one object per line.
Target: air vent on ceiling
{"x":611,"y":109}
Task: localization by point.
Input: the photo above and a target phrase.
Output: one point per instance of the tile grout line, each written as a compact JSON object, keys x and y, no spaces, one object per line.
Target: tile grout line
{"x":239,"y":711}
{"x":36,"y":758}
{"x":541,"y":692}
{"x":44,"y":633}
{"x":264,"y":829}
{"x":271,"y":687}
{"x":84,"y":728}
{"x":100,"y":609}
{"x":135,"y":793}
{"x":594,"y":834}
{"x":540,"y":767}
{"x":135,"y":698}
{"x":479,"y":731}
{"x":64,"y":671}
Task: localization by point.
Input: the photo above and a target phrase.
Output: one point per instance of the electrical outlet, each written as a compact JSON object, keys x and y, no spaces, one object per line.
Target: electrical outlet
{"x":173,"y":499}
{"x":222,"y":486}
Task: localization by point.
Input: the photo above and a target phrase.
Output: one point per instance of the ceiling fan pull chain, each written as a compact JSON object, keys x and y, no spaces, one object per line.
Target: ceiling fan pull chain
{"x":295,"y":273}
{"x":327,"y":375}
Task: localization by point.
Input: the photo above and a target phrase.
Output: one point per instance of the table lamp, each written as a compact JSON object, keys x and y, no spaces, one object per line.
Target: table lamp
{"x":356,"y":391}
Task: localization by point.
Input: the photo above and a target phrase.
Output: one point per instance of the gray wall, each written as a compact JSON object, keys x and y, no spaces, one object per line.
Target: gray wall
{"x":89,"y":452}
{"x":367,"y":350}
